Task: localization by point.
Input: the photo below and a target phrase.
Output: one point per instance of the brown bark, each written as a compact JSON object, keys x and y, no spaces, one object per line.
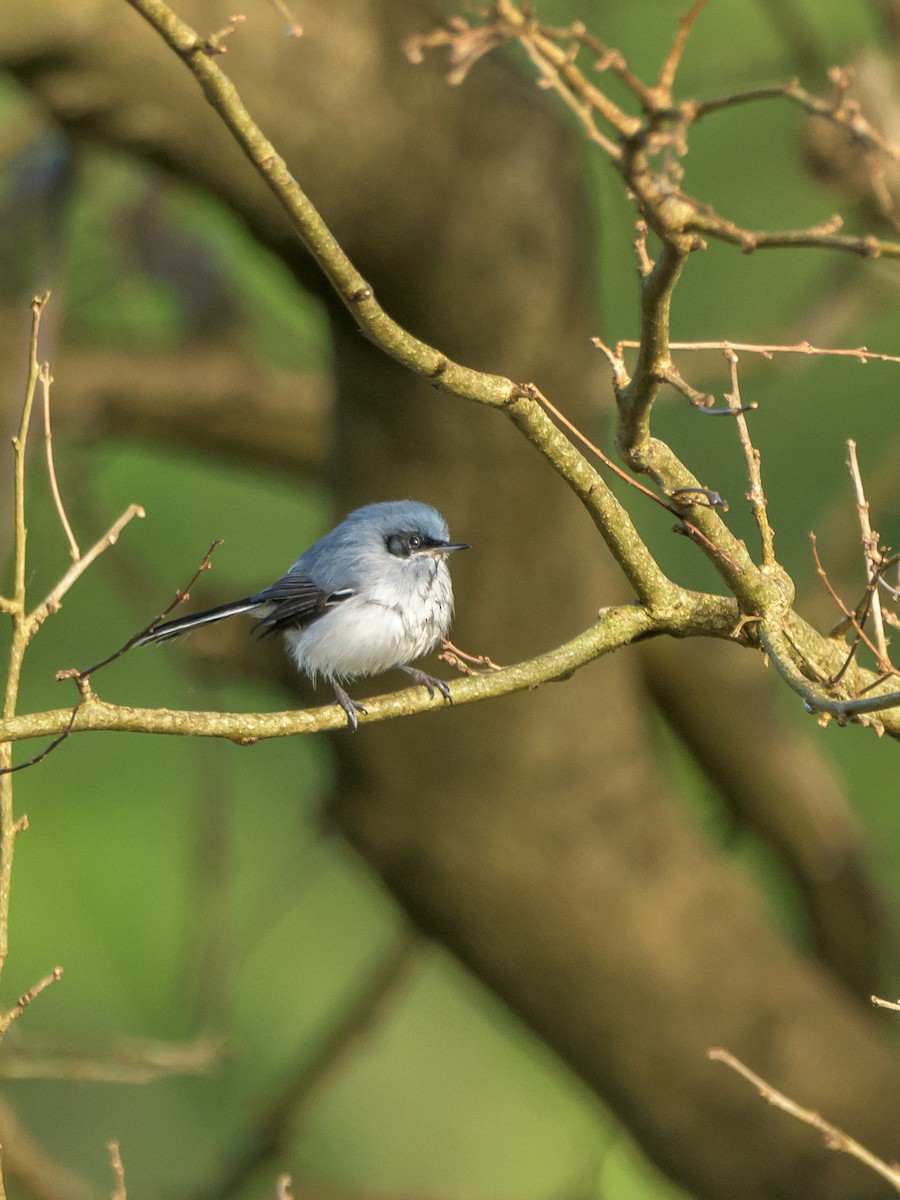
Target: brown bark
{"x":533,"y":837}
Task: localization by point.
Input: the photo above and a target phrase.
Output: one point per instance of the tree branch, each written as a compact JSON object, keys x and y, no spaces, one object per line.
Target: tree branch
{"x":693,"y":614}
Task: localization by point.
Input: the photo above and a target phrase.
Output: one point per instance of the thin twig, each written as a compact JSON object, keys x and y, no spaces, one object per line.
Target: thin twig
{"x":574,"y":99}
{"x":51,"y":602}
{"x":13,"y":1014}
{"x":840,"y":111}
{"x":535,"y":391}
{"x":894,"y":1005}
{"x":46,"y":380}
{"x":861,"y":353}
{"x":835,"y":1139}
{"x":673,"y":58}
{"x":215,"y":43}
{"x":115,"y":1158}
{"x":48,"y":750}
{"x":701,"y":400}
{"x":464,"y":663}
{"x":756,"y":495}
{"x":871,"y":556}
{"x":822,"y":236}
{"x":607,"y":59}
{"x":687,"y":526}
{"x":181,"y":595}
{"x":854,"y":619}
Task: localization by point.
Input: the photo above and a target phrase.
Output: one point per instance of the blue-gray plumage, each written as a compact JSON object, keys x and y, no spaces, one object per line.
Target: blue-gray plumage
{"x":372,"y":594}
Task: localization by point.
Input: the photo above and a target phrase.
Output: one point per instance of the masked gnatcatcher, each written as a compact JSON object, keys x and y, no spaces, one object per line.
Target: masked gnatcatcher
{"x":372,"y":594}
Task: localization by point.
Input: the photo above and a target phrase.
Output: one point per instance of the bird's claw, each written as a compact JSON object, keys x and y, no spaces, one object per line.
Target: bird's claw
{"x":429,"y":682}
{"x":350,"y":706}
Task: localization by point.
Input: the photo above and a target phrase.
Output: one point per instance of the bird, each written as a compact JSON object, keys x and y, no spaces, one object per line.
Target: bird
{"x":371,"y":595}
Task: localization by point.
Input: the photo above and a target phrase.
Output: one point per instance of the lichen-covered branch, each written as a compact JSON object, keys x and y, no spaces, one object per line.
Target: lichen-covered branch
{"x":691,"y":614}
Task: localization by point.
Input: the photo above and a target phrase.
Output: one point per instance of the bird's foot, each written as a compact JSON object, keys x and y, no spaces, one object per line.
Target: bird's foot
{"x":350,"y":706}
{"x":430,"y":682}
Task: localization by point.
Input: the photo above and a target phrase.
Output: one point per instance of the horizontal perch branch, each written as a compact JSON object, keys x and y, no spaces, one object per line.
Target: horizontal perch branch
{"x":615,"y":627}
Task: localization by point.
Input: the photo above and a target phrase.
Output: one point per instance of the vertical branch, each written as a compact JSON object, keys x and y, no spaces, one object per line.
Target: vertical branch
{"x":756,"y":495}
{"x":19,"y":446}
{"x":9,"y":827}
{"x":15,"y":607}
{"x":636,"y":399}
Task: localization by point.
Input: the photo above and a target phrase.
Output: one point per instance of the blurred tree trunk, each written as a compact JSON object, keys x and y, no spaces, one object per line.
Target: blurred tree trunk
{"x":532,"y":836}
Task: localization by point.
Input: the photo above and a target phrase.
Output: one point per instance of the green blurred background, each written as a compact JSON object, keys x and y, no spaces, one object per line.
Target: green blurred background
{"x":446,"y":1096}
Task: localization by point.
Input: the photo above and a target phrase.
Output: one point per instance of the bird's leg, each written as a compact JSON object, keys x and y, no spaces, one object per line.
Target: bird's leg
{"x":429,"y":681}
{"x":350,"y":706}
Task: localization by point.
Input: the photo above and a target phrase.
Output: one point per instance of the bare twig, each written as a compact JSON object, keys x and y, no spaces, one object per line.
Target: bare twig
{"x":835,"y":1139}
{"x":606,"y":59}
{"x":856,"y":620}
{"x":15,"y":606}
{"x":861,"y":353}
{"x":701,"y":400}
{"x":852,"y":619}
{"x":822,"y":236}
{"x":115,"y":1158}
{"x":756,"y":495}
{"x":48,"y":750}
{"x":12,"y":1014}
{"x":634,"y":142}
{"x":464,"y":663}
{"x":181,"y":595}
{"x":673,"y":58}
{"x":872,"y":558}
{"x":51,"y":602}
{"x":894,"y":1005}
{"x":679,"y":495}
{"x":576,"y":94}
{"x":840,"y":110}
{"x":46,"y":380}
{"x":535,"y":391}
{"x":215,"y":43}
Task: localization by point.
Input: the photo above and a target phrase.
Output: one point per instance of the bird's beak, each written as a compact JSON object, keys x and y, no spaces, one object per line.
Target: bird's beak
{"x":449,"y":547}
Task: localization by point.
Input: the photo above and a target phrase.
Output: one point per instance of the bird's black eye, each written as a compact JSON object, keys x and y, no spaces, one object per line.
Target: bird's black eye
{"x":405,"y":543}
{"x":398,"y":545}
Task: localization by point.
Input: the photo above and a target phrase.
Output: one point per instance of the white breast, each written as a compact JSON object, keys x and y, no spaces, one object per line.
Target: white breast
{"x":377,"y":629}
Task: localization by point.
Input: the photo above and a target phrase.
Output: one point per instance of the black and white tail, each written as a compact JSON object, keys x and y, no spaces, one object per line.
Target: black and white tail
{"x":174,"y":629}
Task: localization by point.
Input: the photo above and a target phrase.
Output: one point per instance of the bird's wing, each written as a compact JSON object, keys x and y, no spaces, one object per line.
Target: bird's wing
{"x":293,"y":602}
